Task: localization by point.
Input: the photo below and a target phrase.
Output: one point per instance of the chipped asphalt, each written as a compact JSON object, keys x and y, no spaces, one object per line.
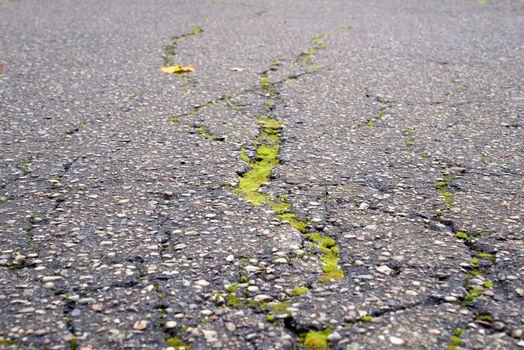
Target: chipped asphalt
{"x":333,"y":175}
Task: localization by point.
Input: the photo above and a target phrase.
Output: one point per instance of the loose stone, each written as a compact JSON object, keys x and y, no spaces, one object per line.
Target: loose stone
{"x":396,"y":340}
{"x":140,"y":325}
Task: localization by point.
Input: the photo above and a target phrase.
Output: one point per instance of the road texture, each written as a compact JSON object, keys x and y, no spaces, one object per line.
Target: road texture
{"x":339,"y":174}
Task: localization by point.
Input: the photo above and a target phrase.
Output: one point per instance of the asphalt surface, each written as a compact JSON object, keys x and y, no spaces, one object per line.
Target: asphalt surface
{"x":339,"y":174}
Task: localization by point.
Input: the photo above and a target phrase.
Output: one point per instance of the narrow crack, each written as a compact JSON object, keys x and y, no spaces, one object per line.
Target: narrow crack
{"x":262,"y":159}
{"x":172,"y":44}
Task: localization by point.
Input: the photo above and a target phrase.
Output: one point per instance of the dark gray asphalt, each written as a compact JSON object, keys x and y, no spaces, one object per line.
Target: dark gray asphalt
{"x":136,"y":210}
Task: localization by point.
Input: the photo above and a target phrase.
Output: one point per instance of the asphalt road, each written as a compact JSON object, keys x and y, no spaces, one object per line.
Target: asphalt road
{"x":339,"y":174}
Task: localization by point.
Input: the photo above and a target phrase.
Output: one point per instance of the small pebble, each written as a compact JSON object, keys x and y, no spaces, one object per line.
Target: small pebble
{"x":170,"y":324}
{"x":516,"y":333}
{"x":334,"y":337}
{"x":140,"y":325}
{"x":396,"y":341}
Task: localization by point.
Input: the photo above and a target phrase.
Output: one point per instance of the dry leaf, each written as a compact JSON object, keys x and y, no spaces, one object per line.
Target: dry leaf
{"x":236,"y":69}
{"x":1,"y":65}
{"x":177,"y":69}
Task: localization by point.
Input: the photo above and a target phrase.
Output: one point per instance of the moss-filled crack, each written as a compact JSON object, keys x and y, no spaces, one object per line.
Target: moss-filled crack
{"x":207,"y":134}
{"x":475,"y":284}
{"x":384,"y":104}
{"x":24,"y":164}
{"x":172,"y":44}
{"x":455,"y":339}
{"x":261,"y":158}
{"x":267,"y":149}
{"x":320,"y":43}
{"x":69,"y":306}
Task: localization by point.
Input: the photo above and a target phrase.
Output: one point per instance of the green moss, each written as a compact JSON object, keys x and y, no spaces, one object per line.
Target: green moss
{"x":280,"y":207}
{"x":455,"y":340}
{"x":9,"y":342}
{"x":266,"y":83}
{"x":270,"y":318}
{"x":448,"y":196}
{"x":244,"y":279}
{"x":279,"y":308}
{"x":74,"y":341}
{"x":233,"y":300}
{"x":197,"y":31}
{"x":491,"y":257}
{"x":269,"y":123}
{"x":332,"y":275}
{"x":488,"y":284}
{"x":472,"y":295}
{"x":299,"y":291}
{"x":475,"y":261}
{"x":202,"y":131}
{"x":461,"y":235}
{"x":329,"y":257}
{"x":25,"y":165}
{"x":171,"y":44}
{"x":232,"y":288}
{"x":484,"y":317}
{"x":424,"y":155}
{"x":294,"y":221}
{"x":177,"y":343}
{"x":313,"y":340}
{"x":366,"y":318}
{"x":305,"y":57}
{"x":323,"y":241}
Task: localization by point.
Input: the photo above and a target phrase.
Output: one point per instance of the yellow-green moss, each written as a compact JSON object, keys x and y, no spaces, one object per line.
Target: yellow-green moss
{"x":294,"y":221}
{"x":233,"y":300}
{"x":461,"y":235}
{"x":9,"y":342}
{"x":329,"y":257}
{"x":202,"y":131}
{"x":279,"y":308}
{"x":177,"y":343}
{"x":491,"y":257}
{"x":366,"y":318}
{"x":313,"y":340}
{"x":299,"y":291}
{"x":455,"y":340}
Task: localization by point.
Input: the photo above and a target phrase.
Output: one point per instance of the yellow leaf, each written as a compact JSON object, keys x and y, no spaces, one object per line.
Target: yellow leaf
{"x":1,"y":65}
{"x":177,"y":69}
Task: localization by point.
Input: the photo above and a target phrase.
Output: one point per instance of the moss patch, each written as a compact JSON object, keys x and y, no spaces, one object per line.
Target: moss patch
{"x":444,"y":190}
{"x":299,"y":291}
{"x":202,"y":131}
{"x":177,"y":343}
{"x":329,"y":256}
{"x":461,"y":235}
{"x":366,"y":318}
{"x":313,"y":340}
{"x":279,"y":308}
